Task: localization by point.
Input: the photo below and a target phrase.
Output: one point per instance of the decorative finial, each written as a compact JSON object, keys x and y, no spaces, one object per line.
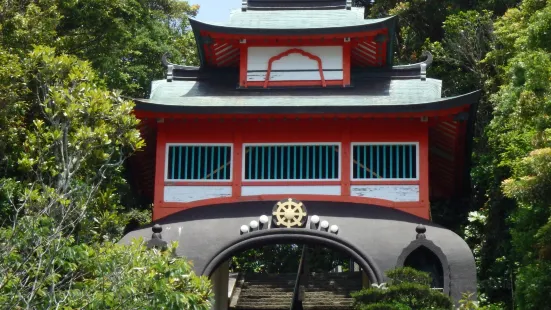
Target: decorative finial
{"x":156,"y":238}
{"x":421,"y":229}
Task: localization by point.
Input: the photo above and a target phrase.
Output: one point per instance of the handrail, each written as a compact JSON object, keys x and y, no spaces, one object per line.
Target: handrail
{"x":297,"y":281}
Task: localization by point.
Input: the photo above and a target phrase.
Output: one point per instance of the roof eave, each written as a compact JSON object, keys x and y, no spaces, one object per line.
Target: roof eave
{"x":468,"y":99}
{"x":197,"y":26}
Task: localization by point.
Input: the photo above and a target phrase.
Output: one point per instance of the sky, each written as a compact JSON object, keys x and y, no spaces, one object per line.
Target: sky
{"x":215,"y":10}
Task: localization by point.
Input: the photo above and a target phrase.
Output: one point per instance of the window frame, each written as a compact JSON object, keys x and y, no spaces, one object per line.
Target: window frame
{"x":339,"y":161}
{"x":167,"y":151}
{"x":417,"y":160}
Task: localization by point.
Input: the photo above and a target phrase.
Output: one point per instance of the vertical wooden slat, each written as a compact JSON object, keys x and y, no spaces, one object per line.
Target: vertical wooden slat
{"x":391,"y":153}
{"x":281,"y":167}
{"x":384,"y":161}
{"x":355,"y":160}
{"x":301,"y":160}
{"x":404,"y":161}
{"x":371,"y":175}
{"x":320,"y":159}
{"x":333,"y":156}
{"x":186,"y":163}
{"x":227,"y":169}
{"x":179,"y":162}
{"x":398,"y":158}
{"x":218,"y":164}
{"x":270,"y":164}
{"x":205,"y":169}
{"x":211,"y":153}
{"x":256,"y":162}
{"x":365,"y":162}
{"x":307,"y":162}
{"x":171,"y":151}
{"x":326,"y":175}
{"x":314,"y":153}
{"x":294,"y":162}
{"x":378,"y":162}
{"x":276,"y":163}
{"x":411,"y":161}
{"x":288,"y":162}
{"x":263,"y":164}
{"x":192,"y":163}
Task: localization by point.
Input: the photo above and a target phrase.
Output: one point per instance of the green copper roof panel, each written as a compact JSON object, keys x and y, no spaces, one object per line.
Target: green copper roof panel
{"x":375,"y":94}
{"x":323,"y":20}
{"x":302,"y":19}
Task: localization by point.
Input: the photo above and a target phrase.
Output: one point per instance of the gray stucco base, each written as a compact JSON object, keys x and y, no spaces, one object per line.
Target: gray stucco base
{"x":378,"y":235}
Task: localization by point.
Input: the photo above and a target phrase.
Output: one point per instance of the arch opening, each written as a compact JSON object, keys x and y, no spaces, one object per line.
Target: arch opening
{"x":295,"y":275}
{"x":295,"y":236}
{"x":423,"y":259}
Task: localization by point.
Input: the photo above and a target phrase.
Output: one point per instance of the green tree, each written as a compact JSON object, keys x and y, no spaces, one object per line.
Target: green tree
{"x":408,"y":289}
{"x":55,"y":249}
{"x":123,"y":39}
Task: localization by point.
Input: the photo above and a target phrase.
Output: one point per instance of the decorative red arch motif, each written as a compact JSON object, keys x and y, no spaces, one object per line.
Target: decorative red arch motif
{"x":294,"y":51}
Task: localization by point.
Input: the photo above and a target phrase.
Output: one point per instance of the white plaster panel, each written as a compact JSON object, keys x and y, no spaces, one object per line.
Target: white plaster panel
{"x":295,"y":76}
{"x":291,"y":190}
{"x":398,"y":193}
{"x":259,"y":57}
{"x":194,"y":193}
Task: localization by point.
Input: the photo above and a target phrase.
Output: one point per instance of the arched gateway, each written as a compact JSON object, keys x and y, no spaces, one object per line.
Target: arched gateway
{"x":301,"y":100}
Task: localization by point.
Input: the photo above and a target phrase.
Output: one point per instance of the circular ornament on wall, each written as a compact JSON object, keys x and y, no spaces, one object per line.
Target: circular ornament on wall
{"x":289,"y":213}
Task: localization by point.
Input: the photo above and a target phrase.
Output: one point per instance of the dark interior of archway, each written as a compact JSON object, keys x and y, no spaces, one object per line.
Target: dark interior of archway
{"x":425,"y":260}
{"x":273,"y":275}
{"x":285,"y":258}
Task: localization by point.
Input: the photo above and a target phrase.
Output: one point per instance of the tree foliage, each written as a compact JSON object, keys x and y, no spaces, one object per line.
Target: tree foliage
{"x":65,"y":134}
{"x":407,"y":289}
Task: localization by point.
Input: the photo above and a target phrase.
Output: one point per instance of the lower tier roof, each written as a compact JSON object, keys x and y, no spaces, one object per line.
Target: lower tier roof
{"x":367,"y":96}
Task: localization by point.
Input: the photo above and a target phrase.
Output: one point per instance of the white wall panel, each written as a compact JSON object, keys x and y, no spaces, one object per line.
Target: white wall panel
{"x":295,"y":76}
{"x":258,"y":59}
{"x":194,"y":193}
{"x":398,"y":193}
{"x":291,"y":190}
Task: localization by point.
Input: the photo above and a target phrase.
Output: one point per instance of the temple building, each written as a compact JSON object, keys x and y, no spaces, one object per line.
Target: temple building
{"x":297,"y":127}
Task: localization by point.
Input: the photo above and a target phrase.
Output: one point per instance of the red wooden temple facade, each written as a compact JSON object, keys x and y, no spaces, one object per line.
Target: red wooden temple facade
{"x":303,"y":103}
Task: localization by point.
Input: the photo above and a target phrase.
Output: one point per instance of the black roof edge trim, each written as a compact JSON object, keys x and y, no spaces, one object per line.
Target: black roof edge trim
{"x":197,"y":25}
{"x":437,"y":105}
{"x":166,"y":63}
{"x":416,"y":66}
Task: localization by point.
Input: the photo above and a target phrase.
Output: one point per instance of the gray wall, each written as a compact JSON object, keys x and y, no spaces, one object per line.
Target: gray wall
{"x":382,"y":233}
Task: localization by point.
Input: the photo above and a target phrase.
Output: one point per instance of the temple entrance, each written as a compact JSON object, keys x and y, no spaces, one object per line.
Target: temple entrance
{"x":288,"y":276}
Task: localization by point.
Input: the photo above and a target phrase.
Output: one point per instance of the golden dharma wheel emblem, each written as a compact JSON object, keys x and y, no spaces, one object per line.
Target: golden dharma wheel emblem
{"x":289,"y":213}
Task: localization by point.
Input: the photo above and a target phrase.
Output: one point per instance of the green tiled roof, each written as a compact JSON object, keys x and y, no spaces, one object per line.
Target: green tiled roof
{"x":370,"y":92}
{"x":323,"y":20}
{"x":302,"y":19}
{"x":368,"y":95}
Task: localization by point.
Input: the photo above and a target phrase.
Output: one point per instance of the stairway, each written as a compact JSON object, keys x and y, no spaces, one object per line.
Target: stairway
{"x":322,"y":291}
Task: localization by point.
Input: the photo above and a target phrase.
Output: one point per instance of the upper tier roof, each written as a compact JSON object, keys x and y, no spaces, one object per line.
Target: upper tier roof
{"x":304,"y":22}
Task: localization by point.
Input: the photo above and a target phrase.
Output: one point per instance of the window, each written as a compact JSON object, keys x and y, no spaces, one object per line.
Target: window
{"x":205,"y":162}
{"x":292,"y":162}
{"x":396,"y":161}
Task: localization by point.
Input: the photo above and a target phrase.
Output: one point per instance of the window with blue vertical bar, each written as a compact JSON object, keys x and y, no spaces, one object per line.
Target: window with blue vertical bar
{"x":291,"y":162}
{"x":186,"y":162}
{"x":394,"y":161}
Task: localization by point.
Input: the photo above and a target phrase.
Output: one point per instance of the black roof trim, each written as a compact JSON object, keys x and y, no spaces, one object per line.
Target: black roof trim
{"x":181,"y":72}
{"x":295,"y":4}
{"x":416,"y":66}
{"x":197,"y":26}
{"x":437,"y":105}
